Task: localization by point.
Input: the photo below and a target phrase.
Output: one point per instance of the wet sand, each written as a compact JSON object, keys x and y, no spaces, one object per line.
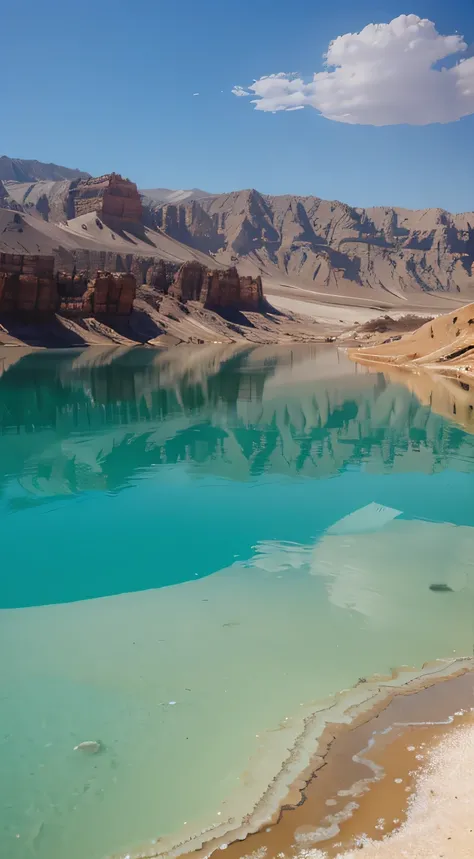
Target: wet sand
{"x":360,"y":784}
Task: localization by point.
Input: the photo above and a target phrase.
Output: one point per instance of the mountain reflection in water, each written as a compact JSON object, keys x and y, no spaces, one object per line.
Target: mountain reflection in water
{"x":98,"y":418}
{"x":128,"y":469}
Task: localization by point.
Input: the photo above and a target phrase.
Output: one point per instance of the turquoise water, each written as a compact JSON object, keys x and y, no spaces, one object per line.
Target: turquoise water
{"x":175,"y":584}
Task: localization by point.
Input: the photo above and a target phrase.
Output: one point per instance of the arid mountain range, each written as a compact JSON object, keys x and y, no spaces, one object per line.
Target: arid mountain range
{"x":329,"y":246}
{"x":21,"y":170}
{"x":390,"y":255}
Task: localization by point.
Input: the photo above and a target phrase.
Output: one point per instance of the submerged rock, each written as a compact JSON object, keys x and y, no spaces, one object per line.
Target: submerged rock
{"x":441,"y":588}
{"x":90,"y":746}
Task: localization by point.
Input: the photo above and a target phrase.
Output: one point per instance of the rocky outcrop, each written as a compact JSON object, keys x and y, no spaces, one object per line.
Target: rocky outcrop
{"x":227,"y":290}
{"x":110,"y":196}
{"x":6,"y":202}
{"x":387,"y":253}
{"x":157,"y":273}
{"x":218,"y":289}
{"x":28,"y":285}
{"x":39,"y":265}
{"x":110,"y":293}
{"x":189,"y":282}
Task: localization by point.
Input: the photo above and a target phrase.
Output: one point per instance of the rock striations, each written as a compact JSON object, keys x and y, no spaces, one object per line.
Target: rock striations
{"x":217,"y":290}
{"x":329,"y":245}
{"x":110,"y":196}
{"x":383,"y":253}
{"x":29,"y":285}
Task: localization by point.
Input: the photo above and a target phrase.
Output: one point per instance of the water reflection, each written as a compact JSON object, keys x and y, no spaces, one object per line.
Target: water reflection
{"x":99,"y":419}
{"x":197,"y":476}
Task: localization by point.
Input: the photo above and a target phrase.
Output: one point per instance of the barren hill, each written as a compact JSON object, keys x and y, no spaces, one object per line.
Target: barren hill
{"x":330,"y":246}
{"x":23,"y":170}
{"x":88,"y":242}
{"x":445,"y":344}
{"x":166,"y":195}
{"x":383,"y":255}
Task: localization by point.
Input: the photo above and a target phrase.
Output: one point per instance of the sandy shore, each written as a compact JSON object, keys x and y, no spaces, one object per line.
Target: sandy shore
{"x":385,"y":783}
{"x":440,"y":816}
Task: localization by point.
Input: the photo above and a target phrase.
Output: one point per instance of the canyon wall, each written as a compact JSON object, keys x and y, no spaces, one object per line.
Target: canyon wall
{"x":329,"y":245}
{"x":29,"y":285}
{"x":218,"y":289}
{"x":110,"y":196}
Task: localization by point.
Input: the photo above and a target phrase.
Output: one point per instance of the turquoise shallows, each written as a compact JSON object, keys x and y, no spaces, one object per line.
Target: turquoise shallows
{"x":179,"y":579}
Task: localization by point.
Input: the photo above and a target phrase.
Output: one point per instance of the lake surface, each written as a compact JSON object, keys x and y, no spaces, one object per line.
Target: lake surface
{"x":201,"y":548}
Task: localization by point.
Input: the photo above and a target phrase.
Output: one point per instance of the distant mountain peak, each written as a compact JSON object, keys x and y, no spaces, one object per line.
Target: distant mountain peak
{"x":168,"y":196}
{"x":24,"y":170}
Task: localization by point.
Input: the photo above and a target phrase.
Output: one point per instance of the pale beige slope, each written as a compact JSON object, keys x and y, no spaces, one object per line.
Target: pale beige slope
{"x":27,"y":234}
{"x":445,"y":343}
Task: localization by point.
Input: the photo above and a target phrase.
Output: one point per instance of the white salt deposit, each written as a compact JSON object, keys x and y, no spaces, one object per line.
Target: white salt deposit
{"x":441,"y":813}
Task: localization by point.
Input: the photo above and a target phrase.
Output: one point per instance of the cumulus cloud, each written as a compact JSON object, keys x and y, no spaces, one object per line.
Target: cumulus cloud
{"x":240,"y":91}
{"x":387,"y":74}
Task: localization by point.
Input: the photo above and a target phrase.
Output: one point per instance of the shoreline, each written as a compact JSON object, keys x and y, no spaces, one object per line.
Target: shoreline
{"x":345,"y":769}
{"x":296,"y":798}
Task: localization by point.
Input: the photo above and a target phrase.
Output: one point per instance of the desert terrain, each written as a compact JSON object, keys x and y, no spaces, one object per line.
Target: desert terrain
{"x":327,"y":268}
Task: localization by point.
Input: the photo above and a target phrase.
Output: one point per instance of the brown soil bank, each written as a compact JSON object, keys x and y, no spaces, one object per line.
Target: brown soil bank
{"x":445,"y":344}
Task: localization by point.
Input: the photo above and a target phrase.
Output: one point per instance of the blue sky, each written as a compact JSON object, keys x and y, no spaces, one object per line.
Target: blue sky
{"x":108,"y":85}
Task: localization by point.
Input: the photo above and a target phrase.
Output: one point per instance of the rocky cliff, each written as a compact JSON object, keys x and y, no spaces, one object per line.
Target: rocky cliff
{"x":110,"y":196}
{"x":6,"y":202}
{"x":29,"y":285}
{"x":329,"y":245}
{"x":110,"y":293}
{"x":218,"y":289}
{"x":384,"y":254}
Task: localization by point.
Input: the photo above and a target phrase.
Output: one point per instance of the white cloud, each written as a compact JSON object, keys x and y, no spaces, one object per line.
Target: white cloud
{"x":196,"y":93}
{"x":384,"y":75}
{"x":240,"y":91}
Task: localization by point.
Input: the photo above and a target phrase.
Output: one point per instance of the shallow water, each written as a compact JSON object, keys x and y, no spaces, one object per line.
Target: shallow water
{"x":175,"y":583}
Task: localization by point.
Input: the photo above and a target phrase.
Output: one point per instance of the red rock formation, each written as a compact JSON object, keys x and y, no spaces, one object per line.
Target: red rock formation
{"x":27,"y":293}
{"x":156,"y":276}
{"x":110,"y":196}
{"x":47,"y":296}
{"x":41,"y":266}
{"x":27,"y":284}
{"x":110,"y":294}
{"x":189,"y":282}
{"x":158,"y":273}
{"x":217,"y":290}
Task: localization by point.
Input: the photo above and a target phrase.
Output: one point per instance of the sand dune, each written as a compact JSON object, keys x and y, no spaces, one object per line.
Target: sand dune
{"x":445,"y":344}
